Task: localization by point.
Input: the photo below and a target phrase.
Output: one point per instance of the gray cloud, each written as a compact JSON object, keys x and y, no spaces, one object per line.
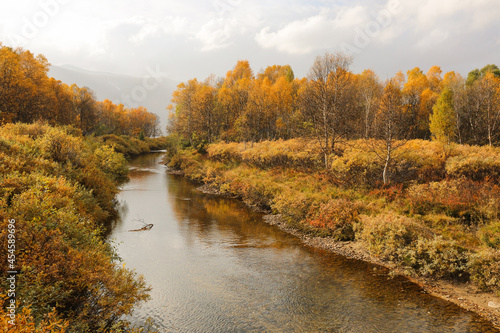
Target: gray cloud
{"x":196,"y":38}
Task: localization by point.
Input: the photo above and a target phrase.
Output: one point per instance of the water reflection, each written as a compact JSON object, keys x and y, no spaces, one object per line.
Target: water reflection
{"x":215,"y":267}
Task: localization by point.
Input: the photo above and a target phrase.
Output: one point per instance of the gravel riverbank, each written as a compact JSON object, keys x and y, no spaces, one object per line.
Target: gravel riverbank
{"x":464,"y":295}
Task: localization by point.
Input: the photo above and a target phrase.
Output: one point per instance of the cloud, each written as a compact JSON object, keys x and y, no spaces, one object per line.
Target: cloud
{"x":434,"y":38}
{"x":170,"y":25}
{"x":316,"y":32}
{"x":474,"y":15}
{"x":217,"y":33}
{"x":434,"y":19}
{"x":125,"y":36}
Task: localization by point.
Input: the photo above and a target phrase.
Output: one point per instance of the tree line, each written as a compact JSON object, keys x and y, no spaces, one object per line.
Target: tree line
{"x":28,"y":94}
{"x":332,"y":104}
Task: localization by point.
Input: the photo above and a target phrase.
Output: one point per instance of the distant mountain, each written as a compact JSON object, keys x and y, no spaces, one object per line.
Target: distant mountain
{"x":151,"y":91}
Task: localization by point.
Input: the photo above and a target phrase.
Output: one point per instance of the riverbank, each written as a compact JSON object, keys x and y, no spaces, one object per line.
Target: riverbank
{"x":447,"y":258}
{"x":466,"y":296}
{"x":57,"y":193}
{"x":131,"y":147}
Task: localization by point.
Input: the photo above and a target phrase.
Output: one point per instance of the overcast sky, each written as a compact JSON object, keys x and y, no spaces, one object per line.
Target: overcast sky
{"x":192,"y":38}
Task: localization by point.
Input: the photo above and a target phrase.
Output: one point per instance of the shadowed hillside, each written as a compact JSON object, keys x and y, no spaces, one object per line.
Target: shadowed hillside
{"x":127,"y":90}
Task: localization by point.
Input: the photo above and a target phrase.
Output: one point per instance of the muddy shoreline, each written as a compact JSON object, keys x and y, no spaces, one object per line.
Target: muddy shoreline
{"x":468,"y":297}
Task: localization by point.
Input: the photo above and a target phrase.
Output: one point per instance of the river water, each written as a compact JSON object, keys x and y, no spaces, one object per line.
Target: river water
{"x":215,"y":266}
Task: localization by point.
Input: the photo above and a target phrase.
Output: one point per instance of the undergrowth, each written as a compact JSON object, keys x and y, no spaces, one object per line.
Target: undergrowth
{"x":438,"y":216}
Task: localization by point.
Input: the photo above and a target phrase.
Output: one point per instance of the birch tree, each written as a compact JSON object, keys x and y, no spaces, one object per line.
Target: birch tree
{"x":389,"y":127}
{"x":327,"y":99}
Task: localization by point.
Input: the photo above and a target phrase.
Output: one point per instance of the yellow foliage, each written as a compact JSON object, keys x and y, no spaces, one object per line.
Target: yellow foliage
{"x":60,"y":189}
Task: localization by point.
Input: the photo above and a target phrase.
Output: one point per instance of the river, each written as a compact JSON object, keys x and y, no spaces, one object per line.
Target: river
{"x":215,"y":266}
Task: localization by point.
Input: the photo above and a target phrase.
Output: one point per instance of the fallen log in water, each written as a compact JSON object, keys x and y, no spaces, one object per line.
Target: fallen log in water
{"x":146,"y":227}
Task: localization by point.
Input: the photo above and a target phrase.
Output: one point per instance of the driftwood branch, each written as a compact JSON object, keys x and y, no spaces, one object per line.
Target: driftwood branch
{"x":146,"y":226}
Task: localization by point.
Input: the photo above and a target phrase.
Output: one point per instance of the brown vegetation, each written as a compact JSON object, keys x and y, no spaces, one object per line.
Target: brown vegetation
{"x":60,"y":189}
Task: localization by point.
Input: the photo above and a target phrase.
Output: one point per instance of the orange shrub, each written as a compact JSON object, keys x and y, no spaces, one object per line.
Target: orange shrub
{"x":337,"y":216}
{"x":391,"y":192}
{"x":25,"y":323}
{"x":462,"y":198}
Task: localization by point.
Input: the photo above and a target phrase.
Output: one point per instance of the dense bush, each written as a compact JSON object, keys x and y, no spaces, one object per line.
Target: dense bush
{"x":490,"y":234}
{"x":125,"y":145}
{"x":25,"y":322}
{"x":225,"y":152}
{"x":472,"y":202}
{"x":159,"y":143}
{"x":421,"y":161}
{"x":484,"y":270}
{"x":362,"y":164}
{"x":337,"y":216}
{"x":387,"y":235}
{"x":438,"y":258}
{"x":413,"y":247}
{"x":111,"y":163}
{"x":130,"y":146}
{"x":295,"y":206}
{"x":297,"y":153}
{"x":357,"y":167}
{"x":480,"y":164}
{"x":60,"y":189}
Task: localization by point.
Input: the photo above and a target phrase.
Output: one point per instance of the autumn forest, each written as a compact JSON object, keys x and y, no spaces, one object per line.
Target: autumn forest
{"x":334,"y":104}
{"x":29,"y":95}
{"x":407,"y":167}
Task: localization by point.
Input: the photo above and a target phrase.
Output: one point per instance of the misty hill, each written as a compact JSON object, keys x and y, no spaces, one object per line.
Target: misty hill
{"x":151,"y":91}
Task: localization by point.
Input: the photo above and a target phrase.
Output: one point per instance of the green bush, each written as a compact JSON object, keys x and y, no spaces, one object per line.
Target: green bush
{"x":484,"y":270}
{"x":387,"y":235}
{"x":437,"y":258}
{"x":490,"y":234}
